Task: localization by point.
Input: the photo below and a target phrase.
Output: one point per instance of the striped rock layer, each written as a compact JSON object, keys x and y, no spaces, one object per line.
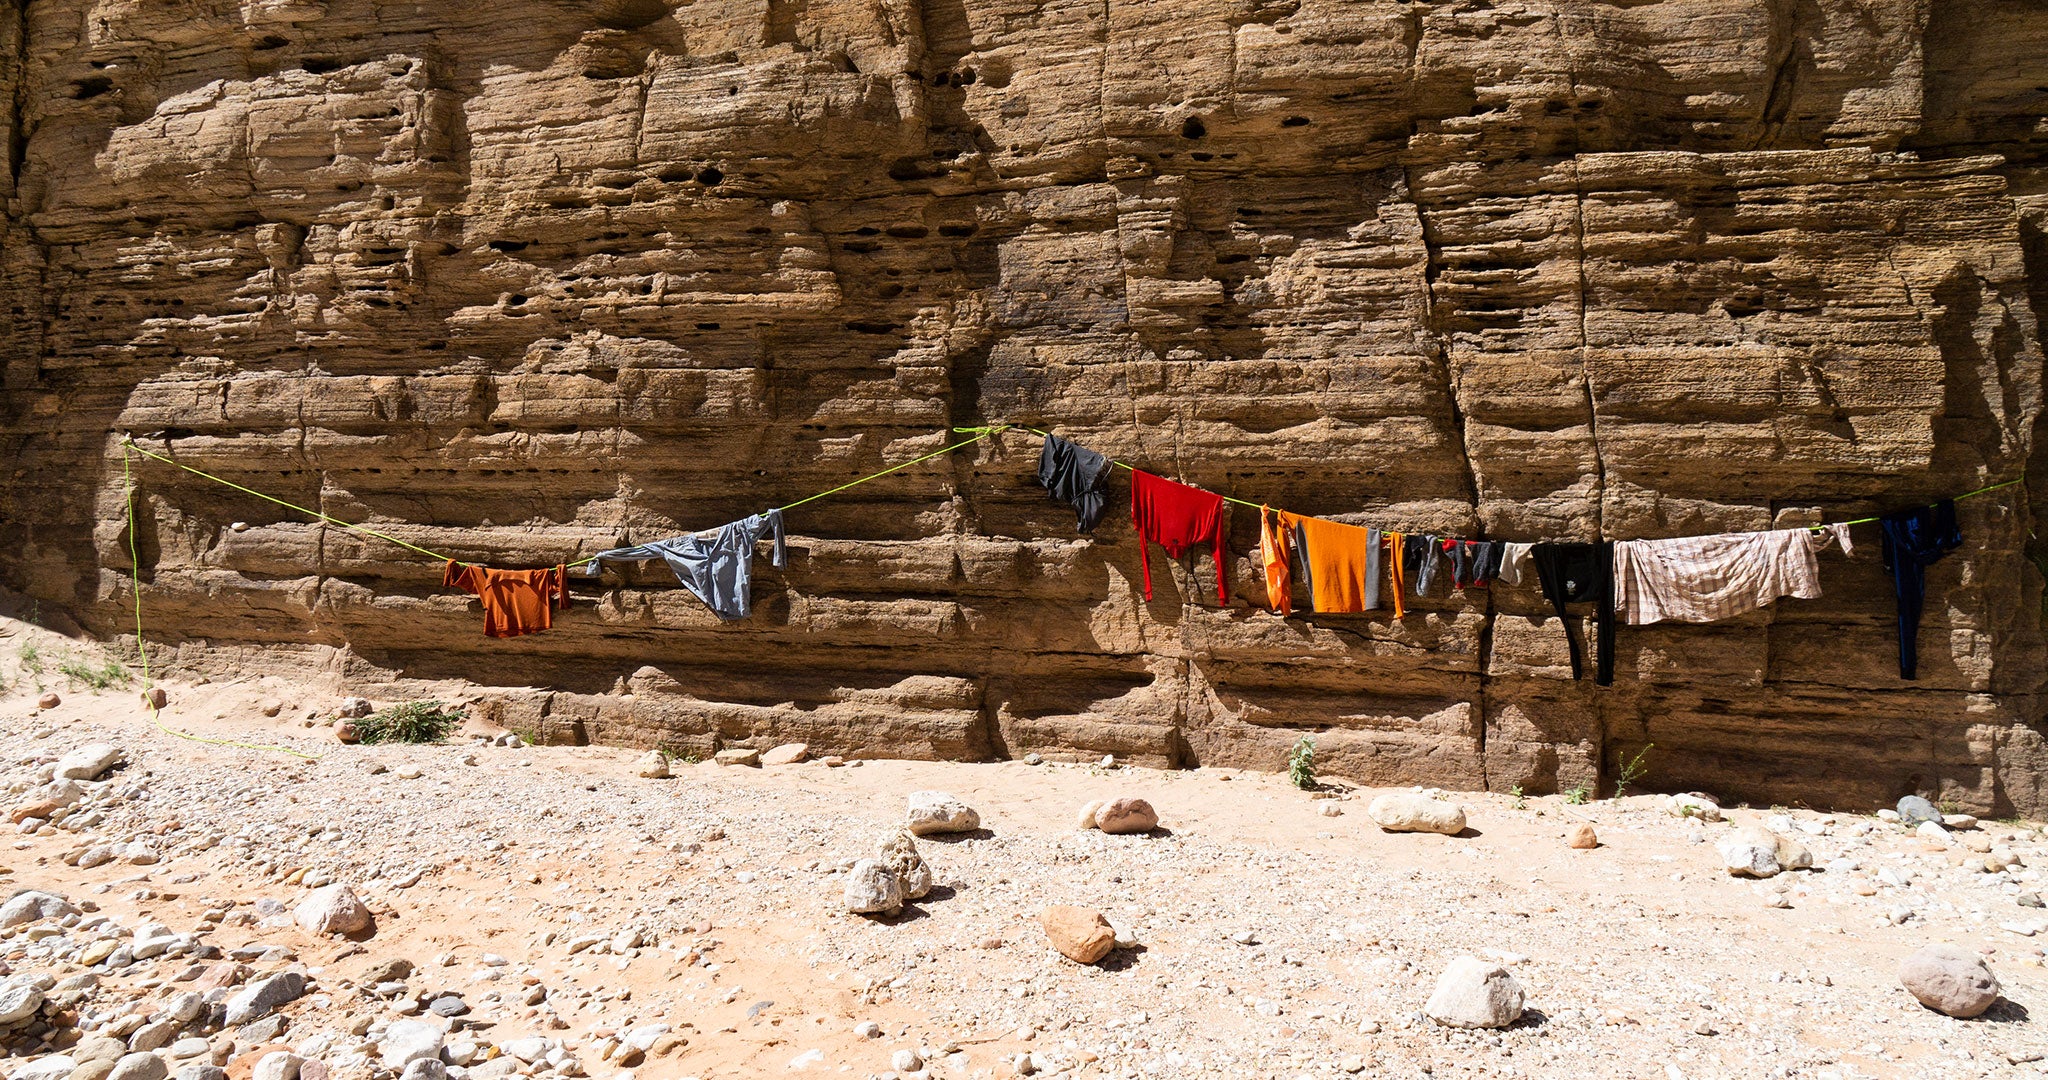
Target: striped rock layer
{"x":525,"y":280}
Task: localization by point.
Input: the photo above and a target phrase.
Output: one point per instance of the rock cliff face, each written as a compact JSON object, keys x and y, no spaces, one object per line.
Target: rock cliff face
{"x":523,"y":280}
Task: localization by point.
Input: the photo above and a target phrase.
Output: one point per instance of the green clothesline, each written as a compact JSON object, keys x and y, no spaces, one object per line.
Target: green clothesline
{"x":998,"y":428}
{"x":993,"y":429}
{"x":142,"y":644}
{"x":128,"y":489}
{"x":978,"y":434}
{"x":1964,"y":495}
{"x":130,"y":444}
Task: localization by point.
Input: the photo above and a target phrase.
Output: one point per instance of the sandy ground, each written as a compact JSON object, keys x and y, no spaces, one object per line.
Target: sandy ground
{"x":1274,"y":941}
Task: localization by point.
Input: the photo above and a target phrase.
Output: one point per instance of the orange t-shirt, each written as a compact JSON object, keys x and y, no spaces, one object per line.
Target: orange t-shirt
{"x":1336,"y":561}
{"x":1273,"y":548}
{"x":515,"y":601}
{"x":1391,"y":542}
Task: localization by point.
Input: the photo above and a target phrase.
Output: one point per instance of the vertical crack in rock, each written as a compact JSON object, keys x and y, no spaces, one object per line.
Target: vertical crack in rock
{"x":1601,"y":703}
{"x":18,"y":98}
{"x":1586,"y":353}
{"x":1439,"y":354}
{"x":2034,"y":252}
{"x":1789,"y":50}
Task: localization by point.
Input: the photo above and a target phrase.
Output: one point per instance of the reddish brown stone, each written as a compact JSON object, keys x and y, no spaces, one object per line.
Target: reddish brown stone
{"x":1079,"y":934}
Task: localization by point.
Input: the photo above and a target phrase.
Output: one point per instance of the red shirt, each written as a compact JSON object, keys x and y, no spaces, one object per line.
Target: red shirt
{"x":515,"y":601}
{"x":1177,"y":517}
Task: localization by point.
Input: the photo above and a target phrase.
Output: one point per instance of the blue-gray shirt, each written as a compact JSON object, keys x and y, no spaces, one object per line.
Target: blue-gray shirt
{"x":719,"y":568}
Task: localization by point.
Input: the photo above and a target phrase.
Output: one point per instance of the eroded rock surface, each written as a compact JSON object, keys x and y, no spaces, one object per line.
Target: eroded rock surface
{"x":522,"y":281}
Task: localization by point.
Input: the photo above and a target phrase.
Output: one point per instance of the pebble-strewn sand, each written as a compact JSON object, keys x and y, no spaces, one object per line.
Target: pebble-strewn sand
{"x":562,"y":897}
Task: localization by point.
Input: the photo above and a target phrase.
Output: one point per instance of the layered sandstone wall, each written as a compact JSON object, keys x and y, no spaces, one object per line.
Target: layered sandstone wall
{"x":525,"y":280}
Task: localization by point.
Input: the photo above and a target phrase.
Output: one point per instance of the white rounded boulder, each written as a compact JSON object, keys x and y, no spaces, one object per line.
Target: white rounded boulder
{"x":872,"y":888}
{"x":1472,"y":993}
{"x":1126,"y":815}
{"x":933,"y":812}
{"x":1407,"y":811}
{"x":332,"y":909}
{"x":1950,"y":980}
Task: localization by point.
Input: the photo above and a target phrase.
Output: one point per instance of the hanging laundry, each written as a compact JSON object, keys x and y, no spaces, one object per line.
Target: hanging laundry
{"x":1339,"y":556}
{"x":1474,"y":563}
{"x":1421,"y":554}
{"x":515,"y":602}
{"x":1514,"y":561}
{"x":1839,"y":533}
{"x":718,"y":568}
{"x":1273,"y":553}
{"x":1074,"y":475}
{"x":1395,"y":547}
{"x":1375,"y":567}
{"x":1914,"y":540}
{"x":1705,"y":578}
{"x":1488,"y":566}
{"x":1177,"y":517}
{"x":1570,"y":574}
{"x":1302,"y":570}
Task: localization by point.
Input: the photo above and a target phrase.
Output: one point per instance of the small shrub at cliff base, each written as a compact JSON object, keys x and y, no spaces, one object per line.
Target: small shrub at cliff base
{"x":1301,"y":764}
{"x":99,"y":678}
{"x":1632,"y":770}
{"x":411,"y":722}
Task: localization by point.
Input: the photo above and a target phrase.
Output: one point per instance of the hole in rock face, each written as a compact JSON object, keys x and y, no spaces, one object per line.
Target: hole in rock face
{"x":905,"y":169}
{"x":957,"y":230}
{"x":268,"y":42}
{"x":88,"y":89}
{"x":509,"y":245}
{"x":1295,"y":121}
{"x":1193,"y":128}
{"x":709,"y":176}
{"x":964,"y":78}
{"x":628,"y":14}
{"x":1742,"y":307}
{"x":707,"y":326}
{"x":320,"y":65}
